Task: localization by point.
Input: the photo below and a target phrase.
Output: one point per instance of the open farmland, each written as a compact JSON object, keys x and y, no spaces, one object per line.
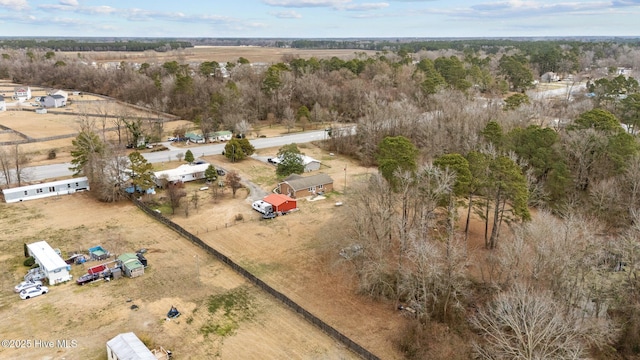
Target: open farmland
{"x":254,"y":54}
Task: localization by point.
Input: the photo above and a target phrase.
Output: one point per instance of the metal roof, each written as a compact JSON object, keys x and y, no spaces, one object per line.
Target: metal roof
{"x":180,"y":171}
{"x":278,"y":199}
{"x":46,"y":256}
{"x":130,"y":261}
{"x":44,"y":185}
{"x":127,"y":346}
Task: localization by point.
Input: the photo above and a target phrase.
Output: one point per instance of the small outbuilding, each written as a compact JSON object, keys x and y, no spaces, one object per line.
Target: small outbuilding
{"x":297,"y":186}
{"x":51,"y":264}
{"x":131,"y":265}
{"x":128,"y":346}
{"x":281,"y":203}
{"x":3,"y":104}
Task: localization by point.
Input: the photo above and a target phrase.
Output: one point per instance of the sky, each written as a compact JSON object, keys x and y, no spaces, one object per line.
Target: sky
{"x":319,"y":18}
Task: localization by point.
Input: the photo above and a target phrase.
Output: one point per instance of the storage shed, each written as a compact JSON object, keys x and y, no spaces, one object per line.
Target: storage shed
{"x":281,"y":203}
{"x":51,"y":264}
{"x":127,"y":346}
{"x":131,"y":265}
{"x":37,"y":191}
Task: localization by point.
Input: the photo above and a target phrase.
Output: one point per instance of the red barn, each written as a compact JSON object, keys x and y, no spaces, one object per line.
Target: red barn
{"x":281,"y":203}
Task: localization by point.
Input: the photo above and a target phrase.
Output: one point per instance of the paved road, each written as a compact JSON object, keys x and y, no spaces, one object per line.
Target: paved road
{"x":43,"y":172}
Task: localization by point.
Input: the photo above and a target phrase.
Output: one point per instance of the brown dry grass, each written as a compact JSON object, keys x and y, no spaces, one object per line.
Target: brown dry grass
{"x":94,"y":313}
{"x":254,"y":54}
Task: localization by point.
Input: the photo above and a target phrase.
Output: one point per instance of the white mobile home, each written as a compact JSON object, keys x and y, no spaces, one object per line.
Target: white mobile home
{"x":37,"y":191}
{"x":127,"y":346}
{"x":51,"y":264}
{"x":183,"y":173}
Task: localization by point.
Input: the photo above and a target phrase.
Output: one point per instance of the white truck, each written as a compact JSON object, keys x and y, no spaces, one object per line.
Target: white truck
{"x":262,"y":207}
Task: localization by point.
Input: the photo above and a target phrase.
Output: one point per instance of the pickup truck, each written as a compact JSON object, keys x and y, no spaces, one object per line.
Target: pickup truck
{"x":87,"y":278}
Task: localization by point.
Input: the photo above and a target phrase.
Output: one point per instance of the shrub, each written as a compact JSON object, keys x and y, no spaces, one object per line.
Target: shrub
{"x":52,"y":154}
{"x":29,"y":262}
{"x":239,"y":217}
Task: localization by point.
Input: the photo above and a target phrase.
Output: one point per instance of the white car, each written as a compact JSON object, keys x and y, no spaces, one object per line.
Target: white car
{"x":33,"y":292}
{"x":26,"y":284}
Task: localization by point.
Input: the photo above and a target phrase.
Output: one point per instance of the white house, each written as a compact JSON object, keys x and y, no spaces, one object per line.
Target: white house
{"x":310,"y":164}
{"x":3,"y":104}
{"x":51,"y":264}
{"x":22,"y":93}
{"x":127,"y":346}
{"x":62,"y":93}
{"x":37,"y":191}
{"x":220,"y":136}
{"x":183,"y":173}
{"x":53,"y":101}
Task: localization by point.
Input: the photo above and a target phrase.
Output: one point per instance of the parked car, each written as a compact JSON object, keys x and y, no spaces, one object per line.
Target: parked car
{"x":87,"y":278}
{"x":270,"y":215}
{"x":221,"y":172}
{"x":33,"y":292}
{"x":172,"y":138}
{"x":26,"y":284}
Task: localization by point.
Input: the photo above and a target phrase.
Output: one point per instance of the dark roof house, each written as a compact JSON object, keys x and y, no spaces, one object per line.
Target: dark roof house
{"x":297,"y":186}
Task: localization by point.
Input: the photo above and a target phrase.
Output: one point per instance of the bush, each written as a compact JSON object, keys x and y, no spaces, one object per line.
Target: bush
{"x":239,"y":217}
{"x":29,"y":262}
{"x":52,"y":154}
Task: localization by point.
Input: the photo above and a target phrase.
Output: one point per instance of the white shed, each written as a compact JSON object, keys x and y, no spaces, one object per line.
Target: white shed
{"x":127,"y":346}
{"x":310,"y":164}
{"x":51,"y":264}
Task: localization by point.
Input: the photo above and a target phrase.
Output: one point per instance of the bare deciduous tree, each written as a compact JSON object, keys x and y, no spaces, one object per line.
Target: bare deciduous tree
{"x":525,"y":324}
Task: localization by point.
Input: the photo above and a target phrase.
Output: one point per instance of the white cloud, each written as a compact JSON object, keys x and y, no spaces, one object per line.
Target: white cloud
{"x":287,"y":15}
{"x":365,"y":6}
{"x":69,"y":2}
{"x":307,"y":3}
{"x":14,"y":4}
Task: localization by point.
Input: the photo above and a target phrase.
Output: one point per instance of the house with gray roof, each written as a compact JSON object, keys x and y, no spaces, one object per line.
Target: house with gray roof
{"x":53,"y":101}
{"x":297,"y":186}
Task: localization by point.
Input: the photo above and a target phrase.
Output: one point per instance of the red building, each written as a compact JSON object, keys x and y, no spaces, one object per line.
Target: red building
{"x":281,"y":203}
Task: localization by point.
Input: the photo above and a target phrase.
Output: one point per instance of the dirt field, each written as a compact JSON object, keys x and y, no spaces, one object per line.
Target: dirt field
{"x":220,"y":54}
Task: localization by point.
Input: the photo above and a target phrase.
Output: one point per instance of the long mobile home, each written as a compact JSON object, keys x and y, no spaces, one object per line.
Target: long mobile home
{"x":37,"y":191}
{"x":51,"y":264}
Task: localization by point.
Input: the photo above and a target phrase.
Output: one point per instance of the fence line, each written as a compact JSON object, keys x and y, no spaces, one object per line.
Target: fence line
{"x":328,"y":329}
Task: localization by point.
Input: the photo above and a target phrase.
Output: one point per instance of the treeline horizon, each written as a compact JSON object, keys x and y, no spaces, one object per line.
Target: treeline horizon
{"x":488,"y":44}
